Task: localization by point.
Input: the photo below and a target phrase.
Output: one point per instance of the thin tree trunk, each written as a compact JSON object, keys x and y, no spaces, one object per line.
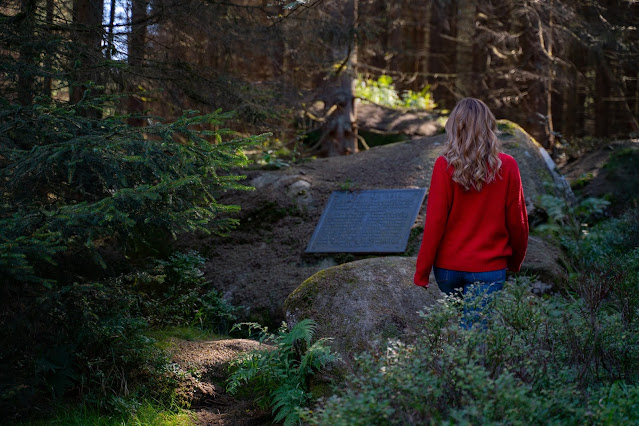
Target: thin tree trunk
{"x":339,"y":132}
{"x":48,"y":65}
{"x":26,"y":79}
{"x":466,"y":10}
{"x":570,"y":104}
{"x":137,"y":36}
{"x":110,"y":46}
{"x":551,"y":76}
{"x":424,"y":51}
{"x":637,"y":95}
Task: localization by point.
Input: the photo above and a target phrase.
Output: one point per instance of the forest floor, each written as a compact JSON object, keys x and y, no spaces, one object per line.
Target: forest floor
{"x":207,"y":361}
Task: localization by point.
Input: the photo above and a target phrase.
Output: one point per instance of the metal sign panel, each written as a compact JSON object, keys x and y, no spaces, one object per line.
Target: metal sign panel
{"x":372,"y":221}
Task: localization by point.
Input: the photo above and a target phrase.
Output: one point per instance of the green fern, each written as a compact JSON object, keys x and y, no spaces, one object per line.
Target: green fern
{"x":279,"y":373}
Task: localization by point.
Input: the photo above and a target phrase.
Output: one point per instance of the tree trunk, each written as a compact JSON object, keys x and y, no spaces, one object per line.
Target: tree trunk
{"x":87,"y":20}
{"x":466,"y":10}
{"x":339,"y":132}
{"x":550,"y":78}
{"x":570,"y":105}
{"x":425,"y":47}
{"x":48,"y":81}
{"x":110,"y":45}
{"x":602,"y":109}
{"x":26,"y":79}
{"x":136,"y":40}
{"x":637,"y":95}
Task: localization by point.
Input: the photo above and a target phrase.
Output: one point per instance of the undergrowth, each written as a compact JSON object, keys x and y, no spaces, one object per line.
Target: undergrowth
{"x":279,"y":374}
{"x":105,"y":345}
{"x":569,"y":358}
{"x":383,"y":92}
{"x":146,"y":413}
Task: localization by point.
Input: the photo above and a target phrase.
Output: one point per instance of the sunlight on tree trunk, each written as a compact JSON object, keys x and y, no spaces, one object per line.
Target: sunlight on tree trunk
{"x":339,"y":132}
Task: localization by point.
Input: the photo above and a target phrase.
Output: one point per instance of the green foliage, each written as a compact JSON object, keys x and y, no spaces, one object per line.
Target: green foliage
{"x":70,"y":183}
{"x":613,"y":238}
{"x":84,"y":203}
{"x":624,"y":174}
{"x":81,"y":337}
{"x":581,"y":181}
{"x":279,"y":375}
{"x":382,"y":91}
{"x":175,"y":292}
{"x":92,"y":339}
{"x":571,"y":221}
{"x":272,"y":160}
{"x":560,"y":359}
{"x":146,"y":413}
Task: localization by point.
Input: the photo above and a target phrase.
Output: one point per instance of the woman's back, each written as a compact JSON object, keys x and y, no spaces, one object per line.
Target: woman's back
{"x":476,"y":234}
{"x":476,"y":219}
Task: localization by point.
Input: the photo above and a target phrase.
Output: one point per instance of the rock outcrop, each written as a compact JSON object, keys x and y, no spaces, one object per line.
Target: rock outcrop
{"x":259,"y":264}
{"x":546,"y":261}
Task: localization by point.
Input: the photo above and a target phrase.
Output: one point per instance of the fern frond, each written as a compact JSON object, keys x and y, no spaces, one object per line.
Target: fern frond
{"x":302,"y":331}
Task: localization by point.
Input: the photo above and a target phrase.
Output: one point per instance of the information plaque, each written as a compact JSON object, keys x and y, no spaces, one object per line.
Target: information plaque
{"x":372,"y":221}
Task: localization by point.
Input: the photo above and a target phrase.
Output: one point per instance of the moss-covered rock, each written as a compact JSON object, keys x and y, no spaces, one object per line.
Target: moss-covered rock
{"x":538,"y":172}
{"x":363,"y":303}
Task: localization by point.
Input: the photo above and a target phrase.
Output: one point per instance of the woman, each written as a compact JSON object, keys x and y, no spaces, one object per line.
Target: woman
{"x":476,"y":220}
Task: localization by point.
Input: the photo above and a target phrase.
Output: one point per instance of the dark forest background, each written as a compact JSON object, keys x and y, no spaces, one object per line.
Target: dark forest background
{"x":561,"y":69}
{"x":115,"y":140}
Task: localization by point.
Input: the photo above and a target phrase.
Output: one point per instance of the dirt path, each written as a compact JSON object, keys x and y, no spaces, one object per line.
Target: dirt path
{"x":207,"y":361}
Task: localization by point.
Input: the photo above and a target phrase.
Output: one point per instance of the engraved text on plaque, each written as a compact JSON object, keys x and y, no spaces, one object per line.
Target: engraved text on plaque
{"x":372,"y":221}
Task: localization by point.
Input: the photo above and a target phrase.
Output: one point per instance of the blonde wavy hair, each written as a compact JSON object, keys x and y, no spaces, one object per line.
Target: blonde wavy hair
{"x":472,"y":147}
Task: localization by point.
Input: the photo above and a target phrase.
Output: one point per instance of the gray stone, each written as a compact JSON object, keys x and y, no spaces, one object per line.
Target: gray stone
{"x":547,"y":261}
{"x":361,"y":304}
{"x":300,"y":191}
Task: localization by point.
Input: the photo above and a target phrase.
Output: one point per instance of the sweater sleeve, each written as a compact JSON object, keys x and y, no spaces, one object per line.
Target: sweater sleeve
{"x":516,"y":220}
{"x":437,"y":208}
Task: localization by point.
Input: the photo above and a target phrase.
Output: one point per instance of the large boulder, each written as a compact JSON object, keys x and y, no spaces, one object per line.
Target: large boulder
{"x":539,"y":173}
{"x":361,"y":304}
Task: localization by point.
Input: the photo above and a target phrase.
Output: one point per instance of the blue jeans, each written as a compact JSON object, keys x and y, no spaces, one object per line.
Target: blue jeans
{"x":470,"y":285}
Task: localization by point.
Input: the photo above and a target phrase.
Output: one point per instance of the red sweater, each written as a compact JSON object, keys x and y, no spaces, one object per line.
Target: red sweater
{"x":470,"y":230}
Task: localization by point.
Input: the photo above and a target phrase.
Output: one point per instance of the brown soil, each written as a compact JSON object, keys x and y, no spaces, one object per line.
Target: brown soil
{"x":208,"y":361}
{"x":260,"y":263}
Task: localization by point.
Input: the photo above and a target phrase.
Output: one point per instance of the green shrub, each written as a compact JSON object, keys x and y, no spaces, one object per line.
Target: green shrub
{"x":571,"y":221}
{"x":534,"y":361}
{"x":174,"y":292}
{"x":568,"y":358}
{"x":81,"y":337}
{"x":82,"y":202}
{"x":279,"y":375}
